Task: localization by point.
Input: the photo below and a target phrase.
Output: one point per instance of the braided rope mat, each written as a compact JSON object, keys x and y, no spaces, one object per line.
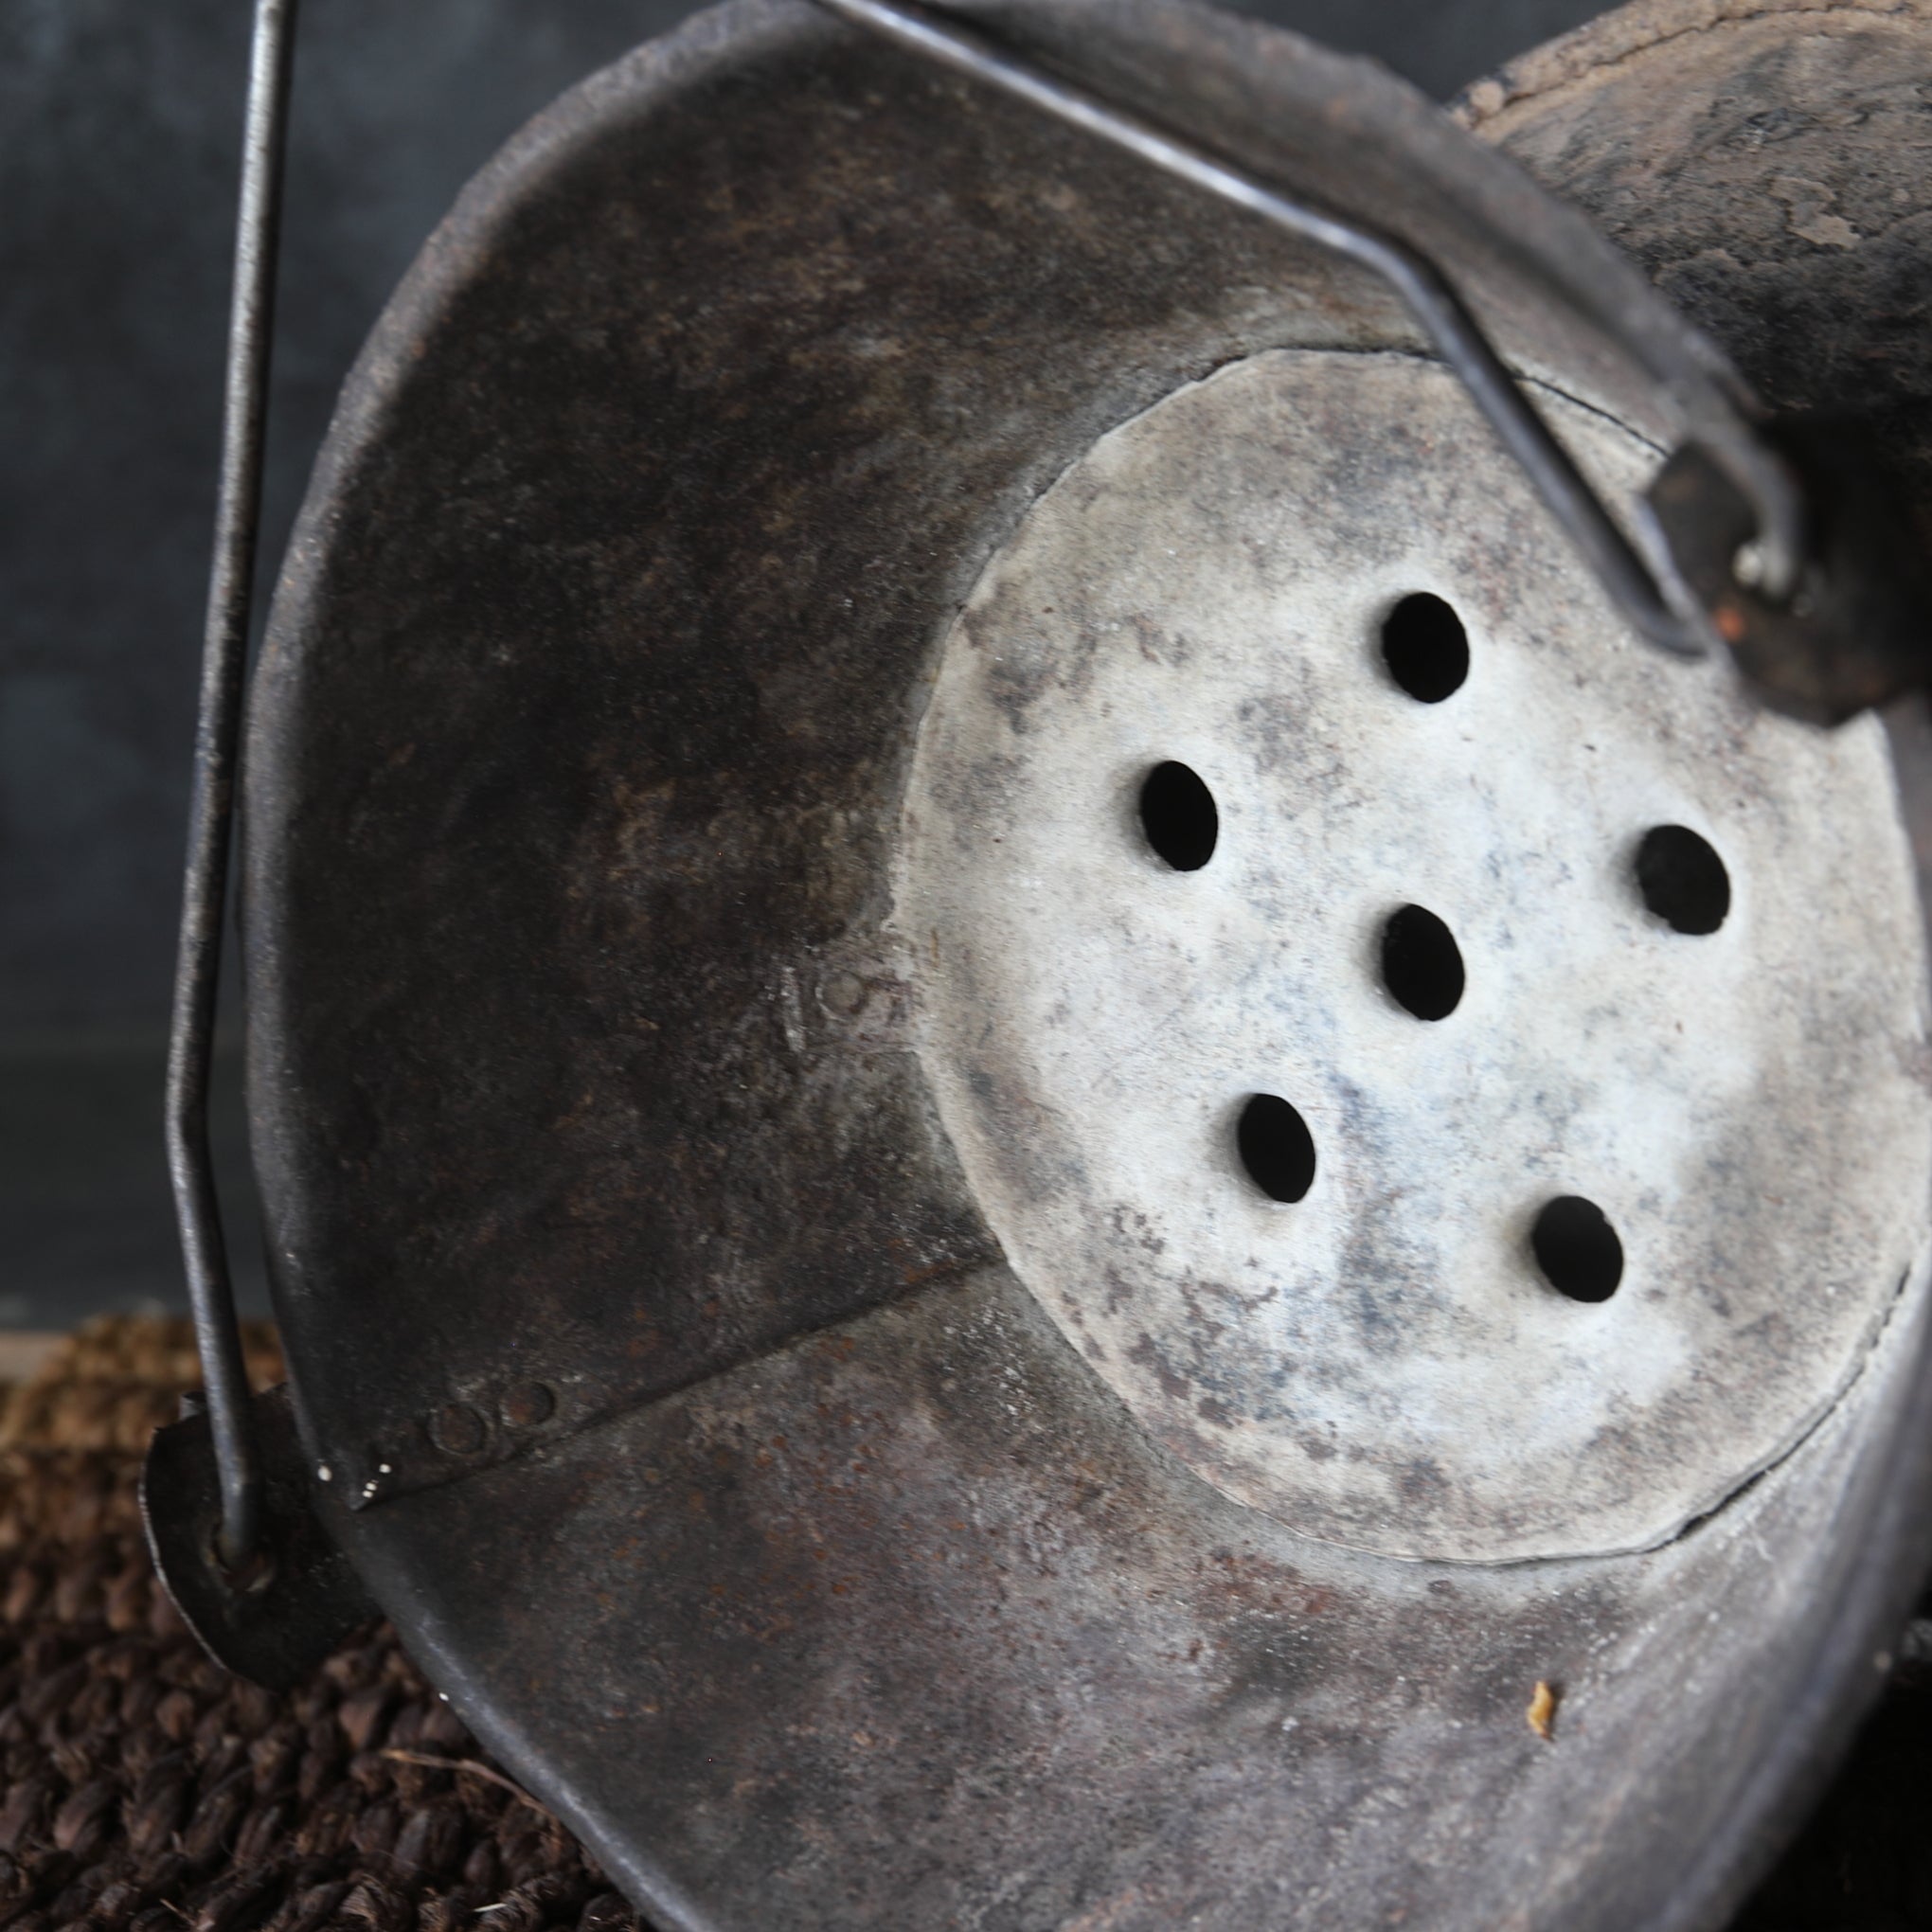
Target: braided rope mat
{"x":146,"y":1789}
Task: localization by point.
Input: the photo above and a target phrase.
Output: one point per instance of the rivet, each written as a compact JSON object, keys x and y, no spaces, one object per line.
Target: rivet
{"x":526,"y":1404}
{"x":844,"y":992}
{"x":458,"y":1429}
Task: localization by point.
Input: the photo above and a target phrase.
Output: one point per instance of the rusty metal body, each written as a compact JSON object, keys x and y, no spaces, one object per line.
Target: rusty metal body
{"x":660,"y":1374}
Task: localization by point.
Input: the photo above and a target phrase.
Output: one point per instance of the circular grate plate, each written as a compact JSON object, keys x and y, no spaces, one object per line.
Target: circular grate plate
{"x":1457,"y":1076}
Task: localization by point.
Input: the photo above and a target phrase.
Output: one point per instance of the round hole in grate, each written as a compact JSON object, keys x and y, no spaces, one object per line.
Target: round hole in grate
{"x":1422,"y":964}
{"x":1178,"y":814}
{"x":1276,"y":1147}
{"x":1577,"y":1248}
{"x":1682,"y":878}
{"x":1425,"y":648}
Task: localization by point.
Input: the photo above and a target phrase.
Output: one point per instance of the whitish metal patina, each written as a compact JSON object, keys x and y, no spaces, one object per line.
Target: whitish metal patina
{"x":1382,"y":1362}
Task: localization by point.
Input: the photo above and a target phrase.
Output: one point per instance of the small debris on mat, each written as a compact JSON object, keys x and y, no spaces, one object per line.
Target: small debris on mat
{"x":1542,"y":1712}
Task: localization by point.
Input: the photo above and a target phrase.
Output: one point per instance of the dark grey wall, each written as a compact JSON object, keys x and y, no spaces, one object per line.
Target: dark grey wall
{"x":119,"y":130}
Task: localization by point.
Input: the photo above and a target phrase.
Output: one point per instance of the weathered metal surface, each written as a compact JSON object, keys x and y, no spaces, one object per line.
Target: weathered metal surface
{"x":851,"y":1595}
{"x":911,"y":1625}
{"x":1765,"y":162}
{"x":1381,"y":1361}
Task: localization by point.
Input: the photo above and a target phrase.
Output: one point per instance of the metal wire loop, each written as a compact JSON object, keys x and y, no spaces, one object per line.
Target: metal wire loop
{"x":211,"y":808}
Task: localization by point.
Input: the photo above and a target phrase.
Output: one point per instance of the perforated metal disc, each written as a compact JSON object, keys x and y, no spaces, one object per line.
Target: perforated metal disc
{"x":1366,"y":1319}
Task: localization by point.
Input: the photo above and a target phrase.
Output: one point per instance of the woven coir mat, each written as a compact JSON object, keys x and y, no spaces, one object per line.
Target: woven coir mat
{"x":146,"y":1789}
